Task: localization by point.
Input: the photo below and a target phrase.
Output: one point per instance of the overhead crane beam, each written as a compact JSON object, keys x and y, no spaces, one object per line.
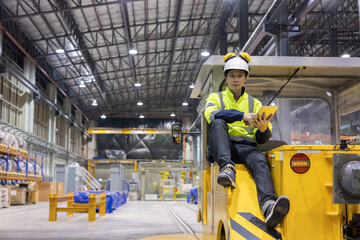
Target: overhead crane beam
{"x":132,"y":131}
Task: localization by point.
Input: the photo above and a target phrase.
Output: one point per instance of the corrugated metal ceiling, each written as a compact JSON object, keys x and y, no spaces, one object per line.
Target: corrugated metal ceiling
{"x":169,"y":36}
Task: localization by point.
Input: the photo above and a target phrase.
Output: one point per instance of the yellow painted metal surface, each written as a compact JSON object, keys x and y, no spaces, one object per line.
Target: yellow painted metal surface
{"x":92,"y":165}
{"x":244,"y":206}
{"x":131,"y":131}
{"x":182,"y":174}
{"x":231,"y":208}
{"x":310,"y":193}
{"x":135,"y":166}
{"x":108,"y":161}
{"x":232,"y":214}
{"x":206,"y":178}
{"x":91,"y":169}
{"x":90,"y":208}
{"x":165,"y":190}
{"x":175,"y":237}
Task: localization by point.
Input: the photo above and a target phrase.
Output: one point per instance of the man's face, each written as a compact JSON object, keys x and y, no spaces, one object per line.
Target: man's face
{"x":236,"y":80}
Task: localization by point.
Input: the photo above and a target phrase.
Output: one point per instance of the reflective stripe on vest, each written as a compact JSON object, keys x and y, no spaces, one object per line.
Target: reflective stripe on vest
{"x":212,"y":115}
{"x":221,"y":100}
{"x":240,"y":138}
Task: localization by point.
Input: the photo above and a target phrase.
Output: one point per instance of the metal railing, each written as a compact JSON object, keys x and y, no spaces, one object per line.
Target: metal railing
{"x":86,"y":178}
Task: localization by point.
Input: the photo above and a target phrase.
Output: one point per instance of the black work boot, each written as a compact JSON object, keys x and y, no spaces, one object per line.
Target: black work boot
{"x":277,"y":211}
{"x":226,"y":176}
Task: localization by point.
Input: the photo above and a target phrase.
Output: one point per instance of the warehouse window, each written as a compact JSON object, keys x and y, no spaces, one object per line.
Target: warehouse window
{"x":9,"y":96}
{"x":41,"y":80}
{"x":303,"y":121}
{"x":350,"y":125}
{"x":60,"y":99}
{"x":60,"y":132}
{"x":73,"y":110}
{"x":40,"y":119}
{"x":13,"y":52}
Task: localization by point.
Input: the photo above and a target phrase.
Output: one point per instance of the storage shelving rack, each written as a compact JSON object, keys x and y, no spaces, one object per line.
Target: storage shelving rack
{"x":17,"y":154}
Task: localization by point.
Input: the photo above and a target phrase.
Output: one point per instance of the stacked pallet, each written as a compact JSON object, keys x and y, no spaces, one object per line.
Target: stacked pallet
{"x":4,"y":197}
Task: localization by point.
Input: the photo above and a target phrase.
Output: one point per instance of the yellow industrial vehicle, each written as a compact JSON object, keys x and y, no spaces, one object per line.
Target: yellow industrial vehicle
{"x":321,"y":178}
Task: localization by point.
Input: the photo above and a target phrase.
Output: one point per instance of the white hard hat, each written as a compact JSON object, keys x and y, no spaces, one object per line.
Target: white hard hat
{"x":236,"y":63}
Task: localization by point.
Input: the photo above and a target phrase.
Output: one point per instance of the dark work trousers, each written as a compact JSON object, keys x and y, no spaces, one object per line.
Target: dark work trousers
{"x":224,"y":151}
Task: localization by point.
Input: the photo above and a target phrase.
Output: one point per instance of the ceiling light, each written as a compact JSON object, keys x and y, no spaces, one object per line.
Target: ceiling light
{"x":345,"y":55}
{"x":205,"y":53}
{"x":140,"y":103}
{"x":172,"y":114}
{"x":133,"y":51}
{"x":137,"y":84}
{"x":82,"y":84}
{"x":94,"y":103}
{"x":329,"y":94}
{"x":103,"y":116}
{"x":192,"y":85}
{"x":141,"y":116}
{"x":59,"y":50}
{"x":185,"y":104}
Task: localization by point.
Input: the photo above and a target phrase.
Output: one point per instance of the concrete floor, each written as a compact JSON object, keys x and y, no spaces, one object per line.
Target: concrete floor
{"x":134,"y":220}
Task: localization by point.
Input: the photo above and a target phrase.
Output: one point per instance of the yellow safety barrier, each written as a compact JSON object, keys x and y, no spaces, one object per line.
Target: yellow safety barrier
{"x":72,"y":207}
{"x":162,"y":188}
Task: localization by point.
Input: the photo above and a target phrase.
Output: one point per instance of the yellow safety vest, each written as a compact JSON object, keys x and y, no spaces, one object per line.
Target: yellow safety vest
{"x":224,"y":100}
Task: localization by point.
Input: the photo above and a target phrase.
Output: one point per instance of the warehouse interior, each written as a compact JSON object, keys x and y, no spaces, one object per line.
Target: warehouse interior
{"x":91,"y":89}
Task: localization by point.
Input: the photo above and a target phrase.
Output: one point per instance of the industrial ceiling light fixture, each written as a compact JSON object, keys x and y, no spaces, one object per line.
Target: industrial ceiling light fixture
{"x":345,"y":55}
{"x":137,"y":84}
{"x":192,"y":85}
{"x":133,"y":51}
{"x":103,"y":116}
{"x":59,"y":50}
{"x":185,"y":103}
{"x":82,"y":84}
{"x":141,"y":116}
{"x":140,"y":103}
{"x":172,"y":114}
{"x":94,"y":103}
{"x":205,"y":53}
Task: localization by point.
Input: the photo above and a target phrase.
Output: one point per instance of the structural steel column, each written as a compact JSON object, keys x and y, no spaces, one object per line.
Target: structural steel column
{"x":142,"y":184}
{"x":333,"y":42}
{"x":282,"y":42}
{"x":243,"y":22}
{"x":27,"y":99}
{"x":51,"y":114}
{"x":223,"y":44}
{"x":1,"y":41}
{"x":50,"y":166}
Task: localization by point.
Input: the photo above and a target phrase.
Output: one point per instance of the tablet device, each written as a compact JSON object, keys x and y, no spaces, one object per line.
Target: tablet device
{"x":267,"y":110}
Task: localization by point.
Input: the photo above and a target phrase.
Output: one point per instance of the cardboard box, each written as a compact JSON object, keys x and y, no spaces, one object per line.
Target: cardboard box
{"x":32,"y":186}
{"x":45,"y":188}
{"x":18,"y":196}
{"x":33,"y":196}
{"x":60,"y":188}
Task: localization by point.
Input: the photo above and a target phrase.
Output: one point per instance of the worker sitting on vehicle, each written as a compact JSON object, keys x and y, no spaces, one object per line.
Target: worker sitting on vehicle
{"x":232,"y":140}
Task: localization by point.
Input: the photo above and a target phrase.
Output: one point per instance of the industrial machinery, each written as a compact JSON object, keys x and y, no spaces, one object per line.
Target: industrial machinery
{"x":321,"y":178}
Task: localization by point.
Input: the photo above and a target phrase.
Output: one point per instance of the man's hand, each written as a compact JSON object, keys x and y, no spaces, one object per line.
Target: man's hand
{"x":249,"y":118}
{"x":262,"y":122}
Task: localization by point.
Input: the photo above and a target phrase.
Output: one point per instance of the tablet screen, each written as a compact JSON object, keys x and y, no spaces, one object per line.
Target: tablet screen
{"x":268,"y":110}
